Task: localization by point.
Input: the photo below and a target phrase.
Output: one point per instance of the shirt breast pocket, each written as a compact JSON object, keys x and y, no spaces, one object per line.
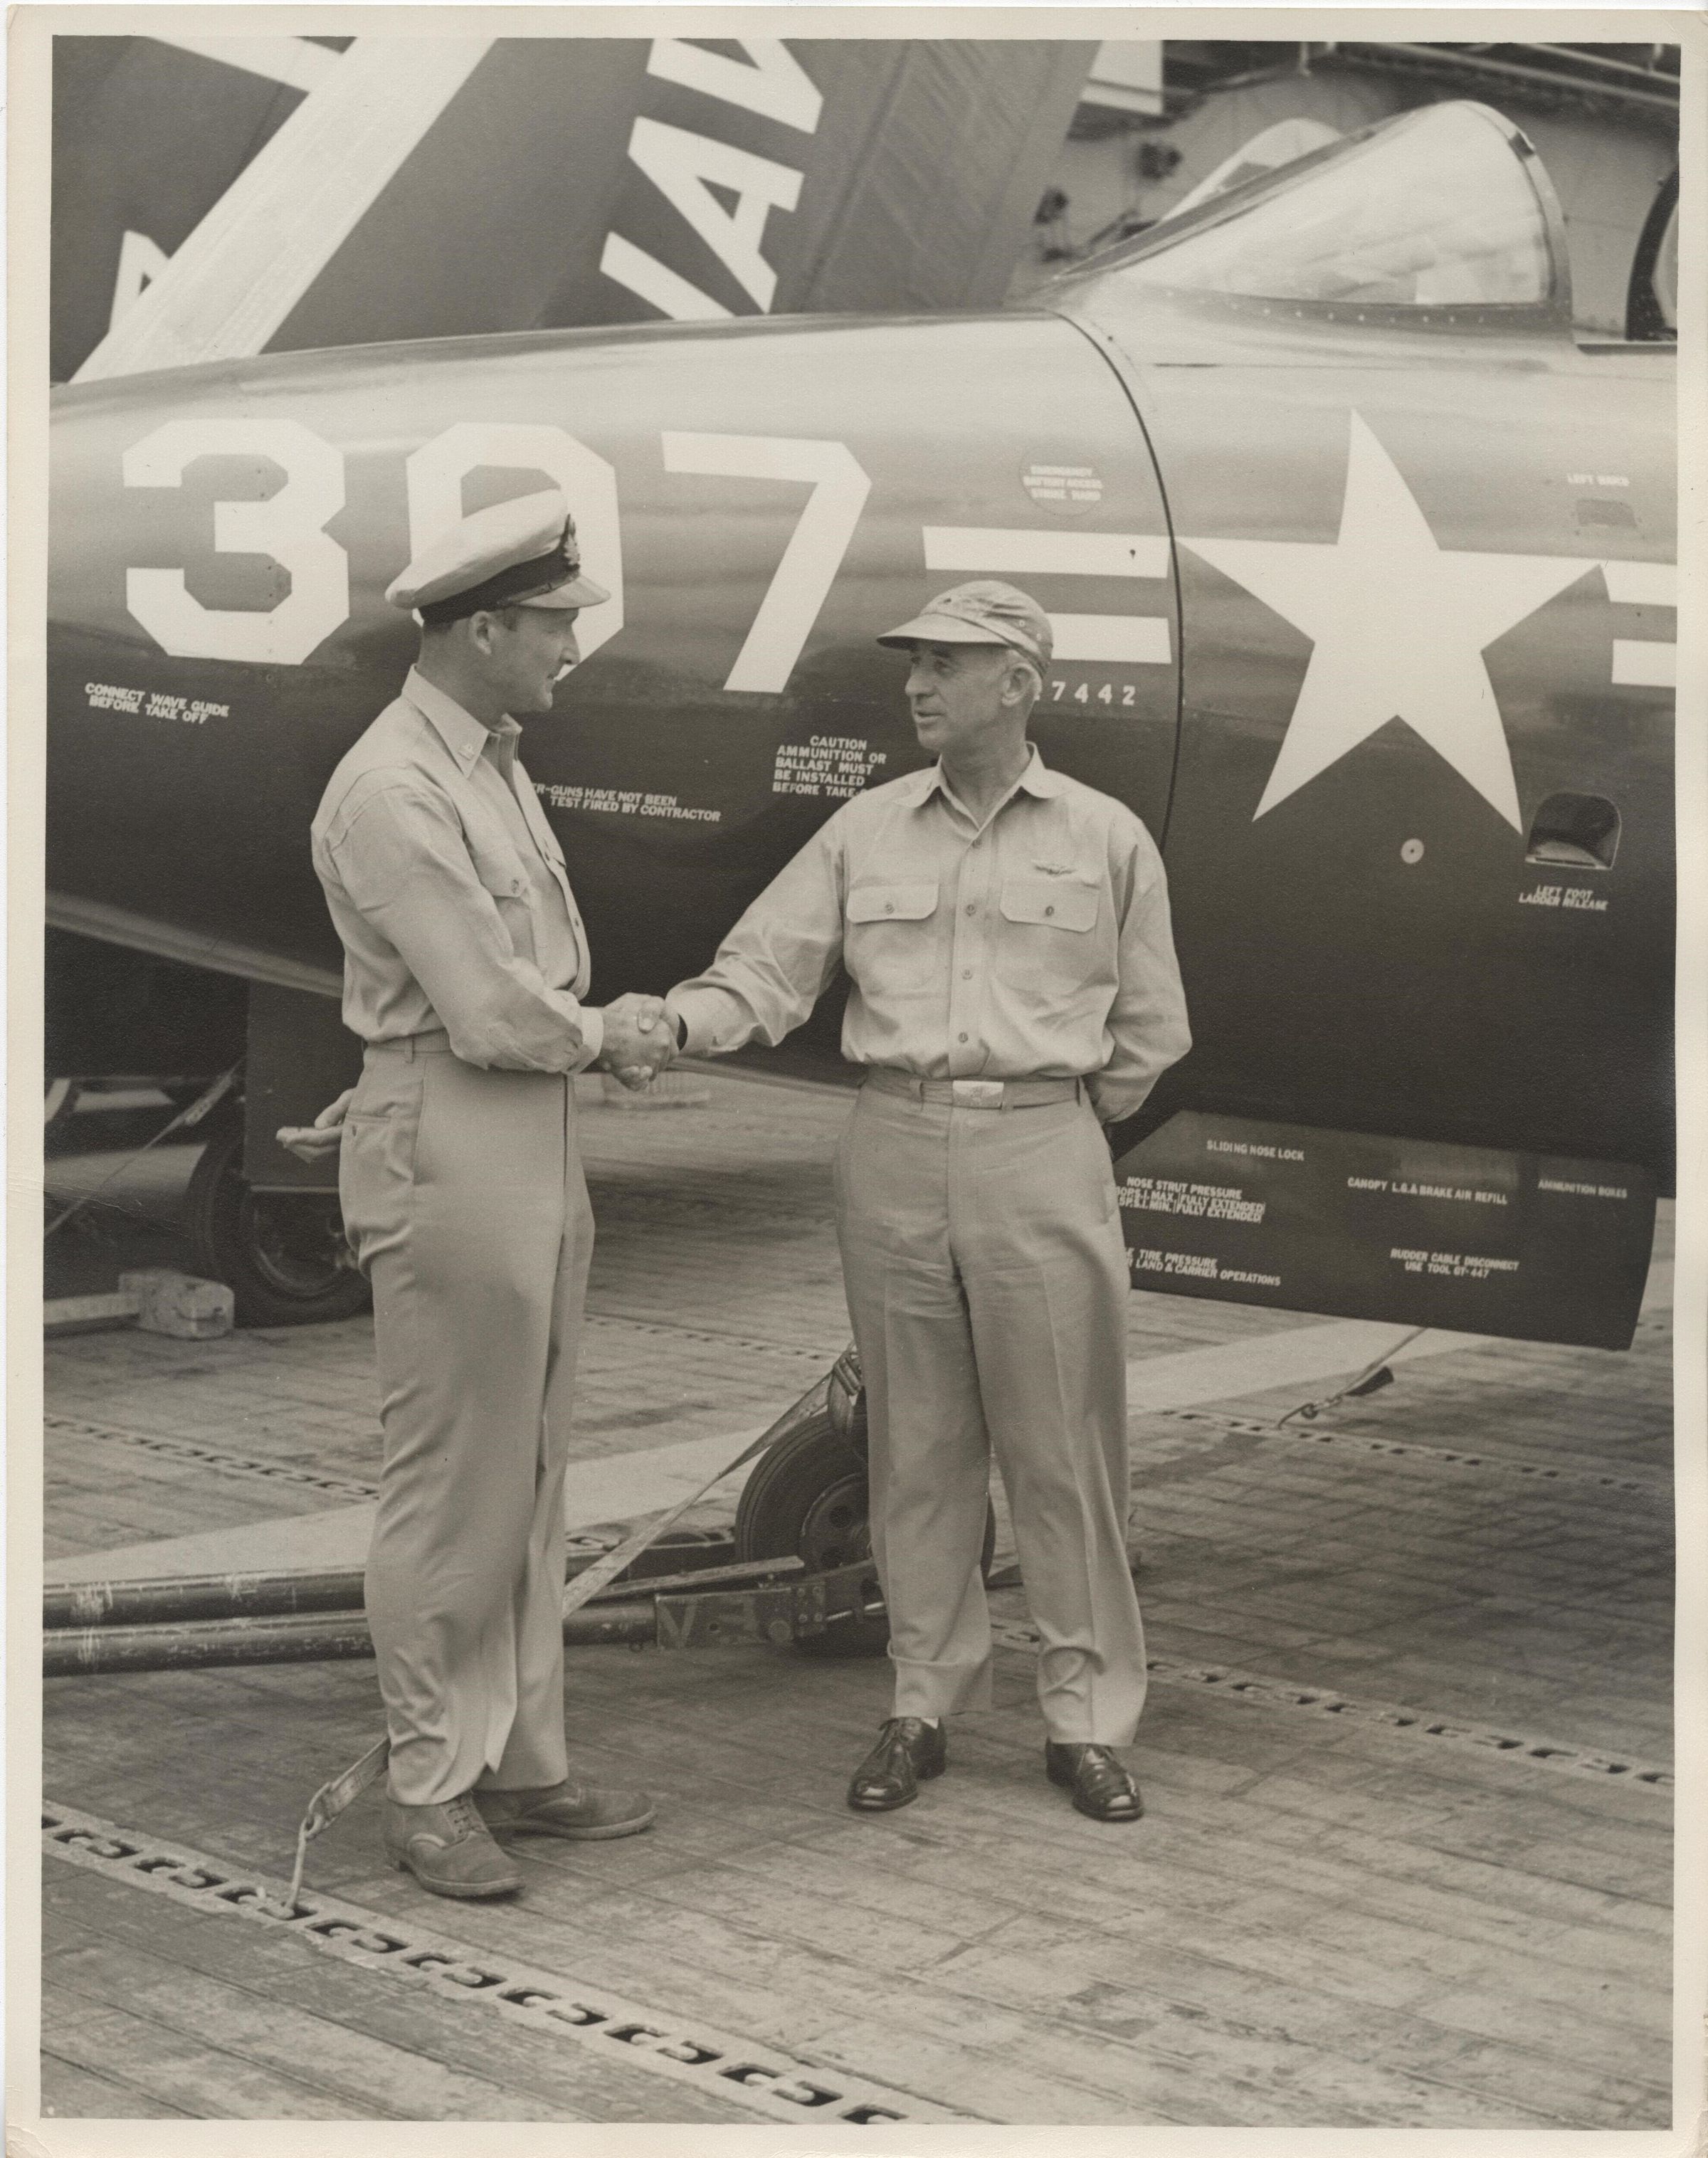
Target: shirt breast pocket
{"x":1048,"y":948}
{"x":1051,"y":902}
{"x":887,"y":944}
{"x":503,"y":877}
{"x":891,"y":902}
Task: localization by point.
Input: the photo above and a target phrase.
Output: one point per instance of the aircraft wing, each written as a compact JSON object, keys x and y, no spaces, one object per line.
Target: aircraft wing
{"x":407,"y":188}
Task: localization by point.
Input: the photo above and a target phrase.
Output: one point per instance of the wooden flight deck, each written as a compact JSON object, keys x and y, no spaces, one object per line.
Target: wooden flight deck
{"x":1407,"y":1855}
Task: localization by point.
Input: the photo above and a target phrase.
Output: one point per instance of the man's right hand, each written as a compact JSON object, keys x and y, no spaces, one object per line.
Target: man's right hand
{"x":640,"y":1040}
{"x":314,"y":1141}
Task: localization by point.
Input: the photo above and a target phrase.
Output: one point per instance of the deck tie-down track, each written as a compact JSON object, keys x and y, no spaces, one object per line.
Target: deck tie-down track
{"x":1452,"y":1732}
{"x":764,"y":2081}
{"x":217,"y":1458}
{"x":1596,"y":1476}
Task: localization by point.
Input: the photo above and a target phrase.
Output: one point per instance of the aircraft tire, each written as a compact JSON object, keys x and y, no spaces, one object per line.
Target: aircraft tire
{"x":278,"y":1253}
{"x":806,"y":1498}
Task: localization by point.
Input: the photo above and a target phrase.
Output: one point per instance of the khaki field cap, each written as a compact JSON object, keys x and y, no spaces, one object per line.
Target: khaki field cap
{"x":521,"y":553}
{"x":986,"y":611}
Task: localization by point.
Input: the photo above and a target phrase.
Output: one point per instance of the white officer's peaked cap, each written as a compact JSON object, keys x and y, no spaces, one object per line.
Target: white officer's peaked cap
{"x":517,"y":554}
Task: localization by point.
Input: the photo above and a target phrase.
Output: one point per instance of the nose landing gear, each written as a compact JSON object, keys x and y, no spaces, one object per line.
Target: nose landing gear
{"x":808,"y":1499}
{"x":283,"y":1253}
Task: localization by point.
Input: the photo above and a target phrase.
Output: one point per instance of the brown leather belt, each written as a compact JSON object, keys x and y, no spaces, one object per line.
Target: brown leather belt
{"x":976,"y":1093}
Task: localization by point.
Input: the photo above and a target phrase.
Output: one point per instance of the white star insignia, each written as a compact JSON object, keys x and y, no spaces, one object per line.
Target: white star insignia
{"x":1400,"y":627}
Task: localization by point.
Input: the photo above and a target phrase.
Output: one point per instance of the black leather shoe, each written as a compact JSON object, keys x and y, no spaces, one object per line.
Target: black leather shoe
{"x":908,"y":1753}
{"x":1100,"y":1786}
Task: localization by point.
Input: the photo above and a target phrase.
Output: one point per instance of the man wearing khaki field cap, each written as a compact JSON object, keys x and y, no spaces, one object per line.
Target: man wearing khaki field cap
{"x":1014,"y":988}
{"x":465,"y":965}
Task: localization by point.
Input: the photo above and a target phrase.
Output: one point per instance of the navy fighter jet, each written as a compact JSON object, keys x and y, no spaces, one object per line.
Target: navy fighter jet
{"x":1361,"y":569}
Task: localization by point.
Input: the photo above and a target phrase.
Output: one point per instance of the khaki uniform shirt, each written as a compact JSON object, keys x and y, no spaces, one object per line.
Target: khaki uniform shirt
{"x":1035,"y":946}
{"x":448,"y":887}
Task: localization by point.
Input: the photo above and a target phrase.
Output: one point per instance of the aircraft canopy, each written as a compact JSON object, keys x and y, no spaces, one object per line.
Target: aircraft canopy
{"x":1446,"y":208}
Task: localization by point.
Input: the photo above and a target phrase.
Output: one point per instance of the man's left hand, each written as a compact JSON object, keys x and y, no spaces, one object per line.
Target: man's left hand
{"x":314,"y":1141}
{"x":640,"y":1040}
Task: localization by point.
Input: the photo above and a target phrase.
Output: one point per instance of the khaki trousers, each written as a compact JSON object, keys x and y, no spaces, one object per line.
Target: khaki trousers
{"x":987,"y":1282}
{"x":465,"y":1202}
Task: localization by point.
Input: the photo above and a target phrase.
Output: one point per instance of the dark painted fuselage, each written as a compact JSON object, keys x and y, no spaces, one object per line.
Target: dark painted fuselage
{"x":1366,"y":952}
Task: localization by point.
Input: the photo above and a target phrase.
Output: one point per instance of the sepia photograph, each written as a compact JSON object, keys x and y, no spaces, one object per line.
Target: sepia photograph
{"x":845,"y":875}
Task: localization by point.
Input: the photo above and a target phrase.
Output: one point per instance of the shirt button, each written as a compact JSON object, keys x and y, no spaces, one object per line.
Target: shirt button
{"x":1049,"y":910}
{"x":972,"y":909}
{"x":960,"y":1037}
{"x":889,"y":907}
{"x":966,"y":973}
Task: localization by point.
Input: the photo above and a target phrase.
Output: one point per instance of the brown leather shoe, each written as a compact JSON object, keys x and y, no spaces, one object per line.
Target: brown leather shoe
{"x":447,"y":1849}
{"x":579,"y":1812}
{"x":1100,"y":1786}
{"x":908,"y":1753}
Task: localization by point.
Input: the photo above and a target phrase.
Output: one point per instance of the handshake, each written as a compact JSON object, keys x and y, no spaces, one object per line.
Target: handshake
{"x":639,"y":1042}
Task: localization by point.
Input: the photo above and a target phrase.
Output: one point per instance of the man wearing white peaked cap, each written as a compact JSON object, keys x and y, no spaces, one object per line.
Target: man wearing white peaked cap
{"x":465,"y":966}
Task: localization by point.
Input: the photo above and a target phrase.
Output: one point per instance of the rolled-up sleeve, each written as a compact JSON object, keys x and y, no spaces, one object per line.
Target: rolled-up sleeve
{"x":403,"y":863}
{"x":1147,"y":1019}
{"x":779,"y":959}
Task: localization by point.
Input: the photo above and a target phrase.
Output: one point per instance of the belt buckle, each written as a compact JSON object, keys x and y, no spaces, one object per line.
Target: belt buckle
{"x":978,"y":1093}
